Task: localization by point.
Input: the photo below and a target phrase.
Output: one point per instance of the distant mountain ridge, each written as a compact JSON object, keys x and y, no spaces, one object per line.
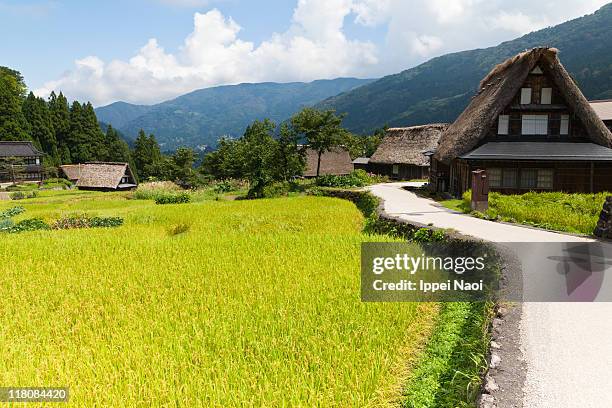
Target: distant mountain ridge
{"x":439,"y":89}
{"x":199,"y":118}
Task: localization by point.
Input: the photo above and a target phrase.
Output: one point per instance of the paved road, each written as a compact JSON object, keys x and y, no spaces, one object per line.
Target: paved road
{"x":567,"y":347}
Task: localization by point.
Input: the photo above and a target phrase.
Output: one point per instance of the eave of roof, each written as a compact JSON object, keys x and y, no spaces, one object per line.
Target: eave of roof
{"x":544,"y":151}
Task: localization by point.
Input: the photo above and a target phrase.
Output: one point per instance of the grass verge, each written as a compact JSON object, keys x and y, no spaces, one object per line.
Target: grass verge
{"x":574,"y":213}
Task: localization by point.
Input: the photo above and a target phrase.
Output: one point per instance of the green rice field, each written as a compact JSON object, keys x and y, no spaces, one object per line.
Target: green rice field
{"x":215,"y":304}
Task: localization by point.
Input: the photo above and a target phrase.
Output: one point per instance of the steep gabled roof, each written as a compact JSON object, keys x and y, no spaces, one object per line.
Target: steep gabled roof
{"x":19,"y":149}
{"x":72,"y":171}
{"x":102,"y":175}
{"x":408,"y":145}
{"x":337,"y":161}
{"x":497,"y":90}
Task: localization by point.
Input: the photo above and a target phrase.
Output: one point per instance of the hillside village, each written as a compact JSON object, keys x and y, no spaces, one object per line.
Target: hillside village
{"x":172,"y":271}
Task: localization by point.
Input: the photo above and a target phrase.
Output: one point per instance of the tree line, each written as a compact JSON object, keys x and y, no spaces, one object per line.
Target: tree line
{"x":264,"y":154}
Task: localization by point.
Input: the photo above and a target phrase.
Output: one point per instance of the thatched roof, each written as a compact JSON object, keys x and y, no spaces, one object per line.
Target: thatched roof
{"x":337,"y":161}
{"x":409,"y":145}
{"x":497,"y":90}
{"x":19,"y":149}
{"x":72,"y":171}
{"x":103,"y":175}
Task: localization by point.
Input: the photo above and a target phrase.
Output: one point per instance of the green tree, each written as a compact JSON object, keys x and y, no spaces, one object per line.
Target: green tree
{"x":94,"y":135}
{"x":259,"y":153}
{"x":13,"y":125}
{"x":363,"y":146}
{"x":40,"y":123}
{"x":60,"y":117}
{"x":290,"y":159}
{"x":226,"y":161}
{"x":117,"y":150}
{"x":147,"y":156}
{"x":179,"y":167}
{"x":322,"y":130}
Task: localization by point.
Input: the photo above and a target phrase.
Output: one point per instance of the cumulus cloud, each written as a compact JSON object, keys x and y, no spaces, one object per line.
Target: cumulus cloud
{"x":315,"y":45}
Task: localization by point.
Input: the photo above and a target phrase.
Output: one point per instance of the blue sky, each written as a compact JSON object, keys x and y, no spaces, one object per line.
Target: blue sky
{"x":145,"y":51}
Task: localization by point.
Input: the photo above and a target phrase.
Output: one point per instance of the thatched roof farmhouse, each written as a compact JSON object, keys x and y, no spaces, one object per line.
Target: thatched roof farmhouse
{"x":404,"y":152}
{"x":336,"y":161}
{"x":527,"y":115}
{"x":103,"y":176}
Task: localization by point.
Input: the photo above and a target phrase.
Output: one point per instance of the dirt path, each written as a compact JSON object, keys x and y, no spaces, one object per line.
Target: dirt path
{"x":566,"y":347}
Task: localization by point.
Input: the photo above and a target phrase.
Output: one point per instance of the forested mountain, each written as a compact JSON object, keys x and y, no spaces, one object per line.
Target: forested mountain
{"x":120,"y":113}
{"x":201,"y":117}
{"x":438,"y":90}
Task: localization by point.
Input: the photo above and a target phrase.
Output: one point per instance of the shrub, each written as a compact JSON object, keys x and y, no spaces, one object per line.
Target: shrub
{"x":227,"y":185}
{"x":357,"y":178}
{"x":11,"y":212}
{"x":31,"y":224}
{"x":74,"y":221}
{"x":178,"y":198}
{"x":105,"y":222}
{"x":6,"y":224}
{"x":20,"y":195}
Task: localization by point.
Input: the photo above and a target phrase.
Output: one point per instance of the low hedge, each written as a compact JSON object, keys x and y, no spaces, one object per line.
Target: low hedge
{"x":175,"y":198}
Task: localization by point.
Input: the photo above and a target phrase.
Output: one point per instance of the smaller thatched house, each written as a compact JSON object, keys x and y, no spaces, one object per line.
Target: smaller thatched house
{"x":337,"y":162}
{"x":603,"y":109}
{"x":101,"y":176}
{"x":404,"y":152}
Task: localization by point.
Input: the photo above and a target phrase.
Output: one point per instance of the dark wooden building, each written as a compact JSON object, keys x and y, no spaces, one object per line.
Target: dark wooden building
{"x":404,"y":153}
{"x":362,"y":163}
{"x":20,"y":161}
{"x":101,"y":176}
{"x":531,"y":128}
{"x":337,"y":161}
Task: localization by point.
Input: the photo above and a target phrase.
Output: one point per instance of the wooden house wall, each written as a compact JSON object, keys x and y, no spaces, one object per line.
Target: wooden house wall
{"x":570,"y":177}
{"x":405,"y":171}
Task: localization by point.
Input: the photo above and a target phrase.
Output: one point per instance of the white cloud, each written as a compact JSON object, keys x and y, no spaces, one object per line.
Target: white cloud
{"x":518,"y":22}
{"x":314,"y":46}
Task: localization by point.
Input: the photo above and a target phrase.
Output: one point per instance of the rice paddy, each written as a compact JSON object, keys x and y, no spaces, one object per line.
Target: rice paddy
{"x":214,"y":303}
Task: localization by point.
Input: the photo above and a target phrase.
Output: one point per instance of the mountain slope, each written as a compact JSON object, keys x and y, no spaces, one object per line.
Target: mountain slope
{"x":438,"y":90}
{"x":120,"y":113}
{"x":201,"y":117}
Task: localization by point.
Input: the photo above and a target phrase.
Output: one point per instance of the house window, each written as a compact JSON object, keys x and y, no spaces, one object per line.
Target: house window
{"x":534,"y":125}
{"x":564,"y":125}
{"x":525,"y":96}
{"x":502,"y":126}
{"x":529,"y":178}
{"x":395,"y":169}
{"x":545,"y":179}
{"x":537,"y":70}
{"x":495,"y":177}
{"x":509,"y":178}
{"x":546,"y":98}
